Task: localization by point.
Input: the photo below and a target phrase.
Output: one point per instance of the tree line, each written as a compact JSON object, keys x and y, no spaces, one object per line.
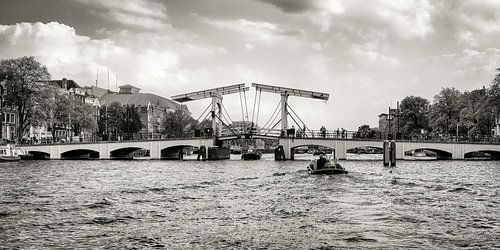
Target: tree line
{"x":24,"y":90}
{"x":469,"y":114}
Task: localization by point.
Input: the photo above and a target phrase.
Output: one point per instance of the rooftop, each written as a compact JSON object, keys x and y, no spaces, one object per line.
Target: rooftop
{"x":139,"y":99}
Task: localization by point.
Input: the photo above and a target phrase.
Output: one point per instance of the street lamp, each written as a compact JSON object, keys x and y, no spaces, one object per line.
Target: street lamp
{"x":389,"y":118}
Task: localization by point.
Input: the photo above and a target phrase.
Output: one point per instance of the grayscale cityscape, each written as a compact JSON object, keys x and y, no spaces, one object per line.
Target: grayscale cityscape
{"x":249,"y":124}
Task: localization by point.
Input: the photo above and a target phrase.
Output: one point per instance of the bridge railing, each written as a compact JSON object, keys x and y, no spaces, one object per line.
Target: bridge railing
{"x":111,"y":138}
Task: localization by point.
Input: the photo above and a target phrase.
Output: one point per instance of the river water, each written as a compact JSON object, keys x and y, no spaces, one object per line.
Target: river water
{"x":248,"y":204}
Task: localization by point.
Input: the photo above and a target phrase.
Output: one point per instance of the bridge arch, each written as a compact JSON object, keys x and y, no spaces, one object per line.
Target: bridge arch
{"x":129,"y":152}
{"x":483,"y":154}
{"x":38,"y":155}
{"x":440,"y":154}
{"x":80,"y":154}
{"x":175,"y":152}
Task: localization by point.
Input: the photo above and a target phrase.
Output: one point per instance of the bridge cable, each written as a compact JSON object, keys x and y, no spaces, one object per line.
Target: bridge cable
{"x":258,"y":107}
{"x":242,"y":112}
{"x":205,"y":119}
{"x":209,"y":105}
{"x":226,"y":119}
{"x":269,"y":121}
{"x":269,"y":130}
{"x":276,"y":116}
{"x":223,"y":123}
{"x":224,"y":109}
{"x":254,"y":102}
{"x":298,"y":118}
{"x":246,"y":105}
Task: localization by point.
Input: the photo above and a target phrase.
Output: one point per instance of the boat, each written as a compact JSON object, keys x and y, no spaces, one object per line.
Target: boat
{"x":235,"y":150}
{"x":331,"y":167}
{"x":11,"y":153}
{"x":251,"y":154}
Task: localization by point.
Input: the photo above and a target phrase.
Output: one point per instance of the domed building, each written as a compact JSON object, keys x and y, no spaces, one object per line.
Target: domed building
{"x":152,"y":108}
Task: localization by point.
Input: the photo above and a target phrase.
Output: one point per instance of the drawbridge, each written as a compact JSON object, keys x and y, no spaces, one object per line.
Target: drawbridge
{"x":222,"y":125}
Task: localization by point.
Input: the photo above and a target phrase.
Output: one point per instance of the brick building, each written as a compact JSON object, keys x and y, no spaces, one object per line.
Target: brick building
{"x":152,"y":108}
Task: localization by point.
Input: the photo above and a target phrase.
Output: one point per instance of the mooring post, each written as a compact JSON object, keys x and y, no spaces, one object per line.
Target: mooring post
{"x":389,"y":149}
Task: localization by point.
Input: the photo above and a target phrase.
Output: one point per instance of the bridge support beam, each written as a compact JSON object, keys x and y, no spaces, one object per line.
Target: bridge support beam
{"x":340,"y":150}
{"x":154,"y":150}
{"x":284,"y":112}
{"x":104,"y":152}
{"x":458,"y":152}
{"x":216,"y":112}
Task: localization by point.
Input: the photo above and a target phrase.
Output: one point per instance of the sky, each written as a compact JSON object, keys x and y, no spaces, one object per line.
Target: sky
{"x":366,"y":54}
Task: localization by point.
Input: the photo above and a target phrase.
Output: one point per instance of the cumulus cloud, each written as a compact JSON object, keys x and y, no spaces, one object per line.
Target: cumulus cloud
{"x":473,"y":22}
{"x":140,"y":13}
{"x":369,"y":53}
{"x":405,"y":19}
{"x":70,"y":55}
{"x":254,"y":30}
{"x":293,"y":6}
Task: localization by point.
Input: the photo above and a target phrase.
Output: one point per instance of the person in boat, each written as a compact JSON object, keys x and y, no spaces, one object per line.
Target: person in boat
{"x":321,"y":162}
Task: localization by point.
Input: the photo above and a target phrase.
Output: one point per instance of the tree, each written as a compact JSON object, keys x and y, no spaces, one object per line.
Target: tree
{"x":366,"y":132}
{"x":132,"y":122}
{"x":63,"y":111}
{"x":84,"y":119}
{"x":43,"y":111}
{"x":22,"y":87}
{"x":115,"y":116}
{"x":414,"y":112}
{"x":179,"y":123}
{"x":474,"y":106}
{"x":444,"y":111}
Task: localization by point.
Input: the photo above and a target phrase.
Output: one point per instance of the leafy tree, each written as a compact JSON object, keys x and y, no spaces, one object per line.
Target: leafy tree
{"x":445,"y":110}
{"x":366,"y":132}
{"x":414,"y":114}
{"x":115,"y":116}
{"x":494,"y":94}
{"x":64,"y":109}
{"x":470,"y":117}
{"x":132,"y":122}
{"x":43,"y":110}
{"x":84,"y":119}
{"x":179,"y":123}
{"x":22,"y":87}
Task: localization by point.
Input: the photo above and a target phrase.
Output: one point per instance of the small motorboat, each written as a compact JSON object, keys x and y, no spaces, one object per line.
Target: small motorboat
{"x":251,"y":154}
{"x":330,"y":167}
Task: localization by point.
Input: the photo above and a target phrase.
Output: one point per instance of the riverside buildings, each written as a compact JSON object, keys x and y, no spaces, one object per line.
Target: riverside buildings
{"x":152,"y":108}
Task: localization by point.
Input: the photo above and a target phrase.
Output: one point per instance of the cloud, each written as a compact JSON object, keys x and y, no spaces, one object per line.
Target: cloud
{"x":264,"y":32}
{"x":67,"y":54}
{"x":473,"y":22}
{"x":369,"y":53}
{"x":404,"y":19}
{"x":293,"y":6}
{"x":138,"y":13}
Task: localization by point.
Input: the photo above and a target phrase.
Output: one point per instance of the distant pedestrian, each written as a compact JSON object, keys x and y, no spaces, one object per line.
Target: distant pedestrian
{"x":323,"y":131}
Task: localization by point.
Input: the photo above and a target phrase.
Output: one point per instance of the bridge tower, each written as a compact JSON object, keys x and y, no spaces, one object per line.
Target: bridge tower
{"x":216,"y":107}
{"x":285,"y":93}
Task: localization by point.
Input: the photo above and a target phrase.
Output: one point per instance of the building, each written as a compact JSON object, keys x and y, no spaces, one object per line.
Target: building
{"x":64,"y":131}
{"x":388,"y":124}
{"x":241,"y":127}
{"x":152,"y":108}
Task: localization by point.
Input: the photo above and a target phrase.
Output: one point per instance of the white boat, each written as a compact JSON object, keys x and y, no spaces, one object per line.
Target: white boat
{"x":330,"y":167}
{"x":11,"y":153}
